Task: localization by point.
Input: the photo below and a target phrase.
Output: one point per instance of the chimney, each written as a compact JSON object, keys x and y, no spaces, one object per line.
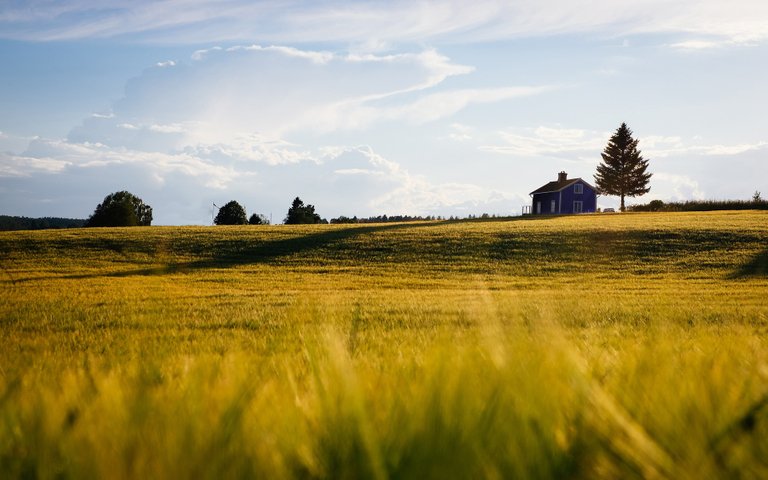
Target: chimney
{"x":562,"y":176}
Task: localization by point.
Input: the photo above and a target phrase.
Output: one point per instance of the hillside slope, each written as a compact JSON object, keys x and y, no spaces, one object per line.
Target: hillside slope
{"x":594,"y":346}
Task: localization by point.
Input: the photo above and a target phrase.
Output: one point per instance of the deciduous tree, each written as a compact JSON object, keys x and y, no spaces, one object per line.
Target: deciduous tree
{"x":232,"y":213}
{"x":121,"y":209}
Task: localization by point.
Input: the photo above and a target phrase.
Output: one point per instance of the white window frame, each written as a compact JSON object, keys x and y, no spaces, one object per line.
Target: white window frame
{"x":553,"y":204}
{"x":578,"y":206}
{"x":578,"y":188}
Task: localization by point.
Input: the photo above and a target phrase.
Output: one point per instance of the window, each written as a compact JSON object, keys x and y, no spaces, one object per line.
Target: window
{"x":578,"y":188}
{"x":538,"y":207}
{"x":577,"y":207}
{"x":552,"y":210}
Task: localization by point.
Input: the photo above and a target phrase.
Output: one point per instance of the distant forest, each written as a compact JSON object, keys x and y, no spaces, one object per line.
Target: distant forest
{"x":8,"y":222}
{"x":756,"y":203}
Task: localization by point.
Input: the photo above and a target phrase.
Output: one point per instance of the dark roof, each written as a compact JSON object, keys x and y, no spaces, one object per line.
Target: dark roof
{"x":557,"y":186}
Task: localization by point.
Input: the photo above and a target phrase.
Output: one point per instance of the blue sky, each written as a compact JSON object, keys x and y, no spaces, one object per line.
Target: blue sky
{"x":367,"y":108}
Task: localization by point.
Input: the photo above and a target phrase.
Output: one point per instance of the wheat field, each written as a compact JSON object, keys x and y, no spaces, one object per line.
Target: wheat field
{"x":592,"y":346}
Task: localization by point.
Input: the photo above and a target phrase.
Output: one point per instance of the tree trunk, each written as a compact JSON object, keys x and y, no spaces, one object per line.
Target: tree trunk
{"x":622,"y":203}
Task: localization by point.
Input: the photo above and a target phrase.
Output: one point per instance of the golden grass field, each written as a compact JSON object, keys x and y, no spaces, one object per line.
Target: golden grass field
{"x":593,"y":346}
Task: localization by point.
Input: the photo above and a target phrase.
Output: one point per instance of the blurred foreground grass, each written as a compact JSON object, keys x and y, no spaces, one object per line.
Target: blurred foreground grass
{"x":575,"y":347}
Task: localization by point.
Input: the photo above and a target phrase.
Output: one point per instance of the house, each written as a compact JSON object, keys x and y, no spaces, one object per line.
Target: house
{"x":564,"y":196}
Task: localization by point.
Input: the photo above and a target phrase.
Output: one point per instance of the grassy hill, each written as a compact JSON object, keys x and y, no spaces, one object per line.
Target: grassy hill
{"x":584,"y":346}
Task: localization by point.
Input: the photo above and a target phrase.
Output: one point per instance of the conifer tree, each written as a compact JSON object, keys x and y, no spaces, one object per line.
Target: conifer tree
{"x":623,"y":170}
{"x":300,"y":213}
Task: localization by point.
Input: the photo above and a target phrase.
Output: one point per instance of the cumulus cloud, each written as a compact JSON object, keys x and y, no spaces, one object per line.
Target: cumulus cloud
{"x":54,"y":156}
{"x":405,"y":192}
{"x":264,"y":174}
{"x":218,"y":126}
{"x":13,"y":143}
{"x":676,"y":187}
{"x":277,"y":91}
{"x":253,"y":148}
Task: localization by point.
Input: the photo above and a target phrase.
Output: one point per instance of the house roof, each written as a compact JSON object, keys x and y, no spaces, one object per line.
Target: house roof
{"x":557,"y":186}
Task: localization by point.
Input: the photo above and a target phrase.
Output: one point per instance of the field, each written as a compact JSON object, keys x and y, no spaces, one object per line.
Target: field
{"x":594,"y":346}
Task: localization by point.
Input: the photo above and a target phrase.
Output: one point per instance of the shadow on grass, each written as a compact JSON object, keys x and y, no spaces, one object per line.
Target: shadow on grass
{"x":239,"y":251}
{"x":757,"y":267}
{"x":242,"y":252}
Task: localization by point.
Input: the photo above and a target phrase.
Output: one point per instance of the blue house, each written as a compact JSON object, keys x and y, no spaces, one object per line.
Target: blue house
{"x":564,"y":196}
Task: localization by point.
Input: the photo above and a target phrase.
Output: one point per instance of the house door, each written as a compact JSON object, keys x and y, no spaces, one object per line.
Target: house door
{"x":577,"y":206}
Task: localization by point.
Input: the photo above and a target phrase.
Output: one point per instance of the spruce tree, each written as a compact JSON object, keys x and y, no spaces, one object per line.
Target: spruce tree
{"x":300,"y":213}
{"x":623,"y":170}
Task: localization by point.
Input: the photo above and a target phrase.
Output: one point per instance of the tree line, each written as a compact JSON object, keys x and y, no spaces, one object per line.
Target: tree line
{"x":756,"y":203}
{"x":8,"y":222}
{"x":232,"y":213}
{"x":124,"y":209}
{"x":622,"y":172}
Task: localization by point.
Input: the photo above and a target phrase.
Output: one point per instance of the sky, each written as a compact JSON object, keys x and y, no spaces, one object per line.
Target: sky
{"x":364,"y":108}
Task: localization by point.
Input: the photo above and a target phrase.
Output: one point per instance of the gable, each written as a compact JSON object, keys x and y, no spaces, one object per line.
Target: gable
{"x":557,"y":186}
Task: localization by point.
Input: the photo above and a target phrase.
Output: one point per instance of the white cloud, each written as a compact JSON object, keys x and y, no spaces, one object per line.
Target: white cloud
{"x":373,"y":24}
{"x":727,"y":150}
{"x":275,"y":91}
{"x":55,"y":156}
{"x":254,"y":148}
{"x":675,"y":187}
{"x":698,"y":45}
{"x":460,"y":133}
{"x":201,"y":54}
{"x":676,"y":147}
{"x":548,"y":142}
{"x":356,"y":171}
{"x":171,"y":128}
{"x":348,"y":180}
{"x":313,"y":56}
{"x":444,"y":104}
{"x":219,"y":126}
{"x":13,"y":143}
{"x":21,"y":166}
{"x":577,"y":143}
{"x":416,"y":195}
{"x":167,"y":63}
